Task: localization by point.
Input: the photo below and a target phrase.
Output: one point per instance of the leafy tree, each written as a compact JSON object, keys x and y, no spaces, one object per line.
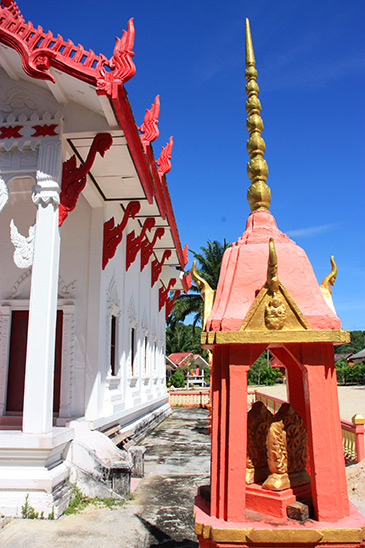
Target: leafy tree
{"x":261,"y":373}
{"x":177,"y":379}
{"x":357,"y":343}
{"x":208,"y":267}
{"x":350,"y":374}
{"x":182,"y":338}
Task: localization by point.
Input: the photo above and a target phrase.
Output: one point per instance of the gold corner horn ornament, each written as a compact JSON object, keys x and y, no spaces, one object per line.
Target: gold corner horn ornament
{"x":325,"y":286}
{"x":258,"y":194}
{"x":206,"y":292}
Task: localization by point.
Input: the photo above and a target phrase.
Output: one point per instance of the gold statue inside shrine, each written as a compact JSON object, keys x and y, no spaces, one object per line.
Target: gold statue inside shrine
{"x":276,"y":448}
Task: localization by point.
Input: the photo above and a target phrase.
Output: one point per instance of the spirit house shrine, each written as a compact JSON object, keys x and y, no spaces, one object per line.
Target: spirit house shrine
{"x":89,"y":253}
{"x":268,"y":298}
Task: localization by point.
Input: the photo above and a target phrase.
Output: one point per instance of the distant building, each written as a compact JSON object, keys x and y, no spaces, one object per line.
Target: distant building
{"x":193,"y":365}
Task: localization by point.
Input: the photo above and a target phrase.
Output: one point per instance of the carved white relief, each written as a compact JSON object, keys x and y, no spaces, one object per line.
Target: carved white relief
{"x":112,"y":292}
{"x":66,"y":291}
{"x":27,"y":134}
{"x":132,"y":313}
{"x":68,"y":360}
{"x":24,"y":246}
{"x":4,"y":193}
{"x":17,"y":99}
{"x":28,"y":158}
{"x":5,"y":159}
{"x":19,"y":282}
{"x":47,"y":192}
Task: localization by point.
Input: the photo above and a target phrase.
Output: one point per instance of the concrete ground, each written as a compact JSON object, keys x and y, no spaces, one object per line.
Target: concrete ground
{"x":161,"y":513}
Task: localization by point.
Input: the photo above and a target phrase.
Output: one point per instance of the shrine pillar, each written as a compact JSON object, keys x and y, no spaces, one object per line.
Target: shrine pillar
{"x":39,"y":369}
{"x":323,"y":424}
{"x":229,"y":429}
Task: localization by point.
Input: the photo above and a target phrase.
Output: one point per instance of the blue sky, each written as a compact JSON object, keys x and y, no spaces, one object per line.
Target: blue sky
{"x":310,"y":57}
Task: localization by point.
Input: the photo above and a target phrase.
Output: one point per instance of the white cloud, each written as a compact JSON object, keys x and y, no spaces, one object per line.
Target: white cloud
{"x":312,"y":230}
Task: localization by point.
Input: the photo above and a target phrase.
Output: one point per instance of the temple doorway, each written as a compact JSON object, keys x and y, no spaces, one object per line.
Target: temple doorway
{"x":17,"y":357}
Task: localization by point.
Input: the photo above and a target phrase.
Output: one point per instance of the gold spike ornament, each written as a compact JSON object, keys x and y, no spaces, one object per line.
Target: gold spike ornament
{"x":325,"y":286}
{"x":258,"y":194}
{"x":275,"y":310}
{"x":206,"y":292}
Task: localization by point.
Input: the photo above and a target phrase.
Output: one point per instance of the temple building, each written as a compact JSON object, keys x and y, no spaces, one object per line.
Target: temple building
{"x":89,"y":254}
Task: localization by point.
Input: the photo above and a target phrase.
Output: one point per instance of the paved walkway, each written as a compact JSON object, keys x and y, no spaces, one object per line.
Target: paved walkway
{"x":161,"y":514}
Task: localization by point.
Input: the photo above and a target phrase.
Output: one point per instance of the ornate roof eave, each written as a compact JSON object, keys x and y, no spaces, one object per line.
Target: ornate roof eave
{"x":154,"y":185}
{"x":39,"y":51}
{"x":90,"y":68}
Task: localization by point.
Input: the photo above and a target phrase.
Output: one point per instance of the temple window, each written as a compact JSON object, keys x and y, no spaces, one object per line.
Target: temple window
{"x":113,"y":338}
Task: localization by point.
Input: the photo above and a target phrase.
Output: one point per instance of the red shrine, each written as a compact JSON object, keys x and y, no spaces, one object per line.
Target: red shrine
{"x":268,"y":297}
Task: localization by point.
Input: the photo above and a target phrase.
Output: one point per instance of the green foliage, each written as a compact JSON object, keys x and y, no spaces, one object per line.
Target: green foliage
{"x":357,"y":343}
{"x":79,"y":501}
{"x":207,"y":375}
{"x":350,"y":374}
{"x":208,"y":267}
{"x":261,"y":373}
{"x":28,"y":512}
{"x":183,"y":338}
{"x":177,"y":379}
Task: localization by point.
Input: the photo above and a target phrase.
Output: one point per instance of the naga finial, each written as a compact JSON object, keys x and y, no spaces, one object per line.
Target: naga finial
{"x":206,"y":292}
{"x":275,"y":310}
{"x":325,"y":286}
{"x":258,"y":194}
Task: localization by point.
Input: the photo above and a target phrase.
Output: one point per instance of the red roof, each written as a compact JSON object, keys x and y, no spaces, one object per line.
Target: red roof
{"x":178,"y":357}
{"x":244,"y":271}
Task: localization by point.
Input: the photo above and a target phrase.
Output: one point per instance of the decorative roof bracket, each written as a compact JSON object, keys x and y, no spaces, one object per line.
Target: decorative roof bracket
{"x":74,"y":178}
{"x":113,"y":234}
{"x":147,"y":247}
{"x":156,"y":267}
{"x":134,"y":242}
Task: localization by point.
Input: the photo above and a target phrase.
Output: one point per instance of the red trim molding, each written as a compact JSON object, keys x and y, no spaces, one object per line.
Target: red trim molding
{"x":147,"y":247}
{"x":149,"y":127}
{"x":74,"y":178}
{"x":39,"y":51}
{"x":134,"y":243}
{"x":156,"y":267}
{"x":113,"y":233}
{"x":164,"y":293}
{"x":170,"y":303}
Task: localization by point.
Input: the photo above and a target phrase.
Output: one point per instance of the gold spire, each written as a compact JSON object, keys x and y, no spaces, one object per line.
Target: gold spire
{"x":206,"y":292}
{"x":258,"y":194}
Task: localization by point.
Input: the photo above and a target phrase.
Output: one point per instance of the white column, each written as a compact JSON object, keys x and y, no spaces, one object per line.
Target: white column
{"x":39,"y":372}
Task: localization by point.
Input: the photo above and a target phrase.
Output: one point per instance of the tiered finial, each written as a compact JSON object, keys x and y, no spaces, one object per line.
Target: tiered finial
{"x":258,"y":194}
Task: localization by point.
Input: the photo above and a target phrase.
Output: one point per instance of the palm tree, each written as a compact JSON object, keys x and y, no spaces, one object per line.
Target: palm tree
{"x":182,"y":338}
{"x":209,"y":265}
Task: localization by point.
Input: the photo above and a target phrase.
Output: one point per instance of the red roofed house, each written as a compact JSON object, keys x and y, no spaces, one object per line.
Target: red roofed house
{"x":194,"y":362}
{"x":89,"y":252}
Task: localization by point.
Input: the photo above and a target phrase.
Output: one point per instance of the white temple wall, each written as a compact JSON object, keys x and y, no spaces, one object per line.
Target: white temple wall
{"x":74,"y":286}
{"x":129,"y":297}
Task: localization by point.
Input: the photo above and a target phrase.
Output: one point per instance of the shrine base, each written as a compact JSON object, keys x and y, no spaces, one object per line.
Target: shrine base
{"x":262,"y":531}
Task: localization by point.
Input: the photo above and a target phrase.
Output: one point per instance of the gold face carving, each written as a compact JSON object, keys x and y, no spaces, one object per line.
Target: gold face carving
{"x":275,"y":313}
